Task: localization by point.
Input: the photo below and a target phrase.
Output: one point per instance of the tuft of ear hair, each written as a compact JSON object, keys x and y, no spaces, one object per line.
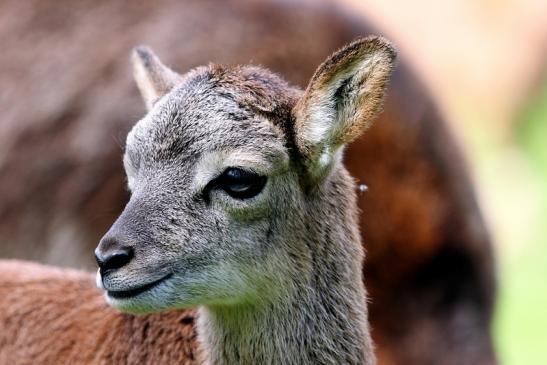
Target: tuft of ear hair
{"x":342,"y":99}
{"x":153,"y":78}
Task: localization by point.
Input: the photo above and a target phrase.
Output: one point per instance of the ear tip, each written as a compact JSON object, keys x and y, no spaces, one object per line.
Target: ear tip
{"x":142,"y":54}
{"x":385,"y":45}
{"x":376,"y":43}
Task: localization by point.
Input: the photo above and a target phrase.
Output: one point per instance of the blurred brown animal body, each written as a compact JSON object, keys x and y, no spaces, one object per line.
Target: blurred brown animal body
{"x":79,"y":327}
{"x":429,"y":266}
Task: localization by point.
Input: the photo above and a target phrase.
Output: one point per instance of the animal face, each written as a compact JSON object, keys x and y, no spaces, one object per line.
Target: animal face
{"x":220,"y":172}
{"x":210,"y":182}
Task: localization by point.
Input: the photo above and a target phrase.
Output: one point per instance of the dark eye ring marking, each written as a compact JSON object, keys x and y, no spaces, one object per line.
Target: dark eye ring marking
{"x":237,"y":183}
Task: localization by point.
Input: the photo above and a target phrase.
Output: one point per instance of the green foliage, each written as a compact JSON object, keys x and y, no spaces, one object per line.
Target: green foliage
{"x":521,"y":320}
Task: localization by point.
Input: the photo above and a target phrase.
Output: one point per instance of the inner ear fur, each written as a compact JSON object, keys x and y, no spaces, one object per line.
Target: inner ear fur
{"x":343,"y":97}
{"x":153,"y":78}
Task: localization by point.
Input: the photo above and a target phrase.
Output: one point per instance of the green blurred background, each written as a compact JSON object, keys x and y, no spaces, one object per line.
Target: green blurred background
{"x":521,"y":318}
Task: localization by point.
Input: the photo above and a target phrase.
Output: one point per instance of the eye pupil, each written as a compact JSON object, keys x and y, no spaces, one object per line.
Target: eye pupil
{"x":240,"y":183}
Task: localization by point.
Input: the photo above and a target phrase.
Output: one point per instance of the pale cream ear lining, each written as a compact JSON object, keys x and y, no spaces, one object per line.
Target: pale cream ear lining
{"x":376,"y":73}
{"x":321,"y":127}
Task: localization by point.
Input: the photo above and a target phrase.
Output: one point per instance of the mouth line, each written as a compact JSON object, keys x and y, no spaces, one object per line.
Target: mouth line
{"x":124,"y":294}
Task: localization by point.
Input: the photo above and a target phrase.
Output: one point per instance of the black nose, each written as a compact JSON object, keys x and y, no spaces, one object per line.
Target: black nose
{"x":114,"y":259}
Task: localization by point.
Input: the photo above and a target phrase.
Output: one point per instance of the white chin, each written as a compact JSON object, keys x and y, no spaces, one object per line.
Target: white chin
{"x":99,"y":280}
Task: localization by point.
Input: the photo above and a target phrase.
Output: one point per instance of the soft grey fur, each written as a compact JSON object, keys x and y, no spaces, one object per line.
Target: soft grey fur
{"x":277,"y":277}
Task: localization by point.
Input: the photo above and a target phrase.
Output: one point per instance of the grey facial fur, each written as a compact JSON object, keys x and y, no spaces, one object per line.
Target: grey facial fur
{"x":221,"y":247}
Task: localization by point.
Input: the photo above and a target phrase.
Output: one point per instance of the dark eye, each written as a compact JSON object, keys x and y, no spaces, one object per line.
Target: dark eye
{"x":239,"y":183}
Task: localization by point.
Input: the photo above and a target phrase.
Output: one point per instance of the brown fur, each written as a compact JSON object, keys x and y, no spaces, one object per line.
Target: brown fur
{"x":79,"y":327}
{"x":432,"y":264}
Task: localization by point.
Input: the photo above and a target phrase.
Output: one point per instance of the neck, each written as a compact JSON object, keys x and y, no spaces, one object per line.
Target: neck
{"x":322,"y":319}
{"x":314,"y":327}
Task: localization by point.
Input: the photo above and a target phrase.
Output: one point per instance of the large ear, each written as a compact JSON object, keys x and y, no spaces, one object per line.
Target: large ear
{"x":342,"y":99}
{"x":153,"y":78}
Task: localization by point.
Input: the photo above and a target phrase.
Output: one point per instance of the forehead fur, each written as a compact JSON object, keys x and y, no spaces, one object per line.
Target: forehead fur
{"x":255,"y":89}
{"x":214,"y":107}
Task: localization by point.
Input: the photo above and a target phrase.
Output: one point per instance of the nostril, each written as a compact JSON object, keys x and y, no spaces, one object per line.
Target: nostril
{"x":114,"y":260}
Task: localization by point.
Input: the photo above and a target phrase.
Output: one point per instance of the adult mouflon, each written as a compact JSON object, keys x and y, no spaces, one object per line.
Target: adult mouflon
{"x":240,"y":206}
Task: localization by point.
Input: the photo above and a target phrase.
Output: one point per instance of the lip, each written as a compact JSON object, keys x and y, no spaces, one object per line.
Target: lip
{"x":124,"y":294}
